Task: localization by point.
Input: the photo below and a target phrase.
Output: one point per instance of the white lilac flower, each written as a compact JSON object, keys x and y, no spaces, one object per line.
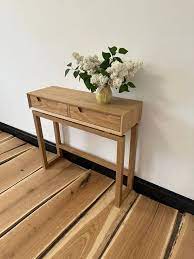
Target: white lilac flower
{"x":117,"y":82}
{"x":118,"y":72}
{"x":77,"y":57}
{"x":133,"y":67}
{"x":99,"y":80}
{"x":91,"y":72}
{"x":122,"y":71}
{"x":117,"y":69}
{"x":90,"y":63}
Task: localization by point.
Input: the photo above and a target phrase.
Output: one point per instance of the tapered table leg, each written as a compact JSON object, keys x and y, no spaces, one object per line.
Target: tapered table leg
{"x":119,"y":170}
{"x":132,"y":156}
{"x":41,"y":143}
{"x":57,"y":138}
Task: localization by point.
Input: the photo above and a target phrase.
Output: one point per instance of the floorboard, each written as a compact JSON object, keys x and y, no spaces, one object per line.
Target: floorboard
{"x":19,"y":168}
{"x":184,"y":244}
{"x":10,"y":144}
{"x":13,"y":152}
{"x":33,"y":235}
{"x":66,"y":211}
{"x":145,"y":232}
{"x":29,"y":194}
{"x":90,"y":236}
{"x":4,"y":137}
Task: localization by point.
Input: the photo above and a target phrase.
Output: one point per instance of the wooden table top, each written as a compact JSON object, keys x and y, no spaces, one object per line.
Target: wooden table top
{"x":118,"y":106}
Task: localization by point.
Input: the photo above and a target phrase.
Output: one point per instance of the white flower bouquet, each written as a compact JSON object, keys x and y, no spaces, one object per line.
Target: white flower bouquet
{"x":109,"y":71}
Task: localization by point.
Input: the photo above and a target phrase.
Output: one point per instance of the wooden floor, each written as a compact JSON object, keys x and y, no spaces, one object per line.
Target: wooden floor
{"x":68,"y":212}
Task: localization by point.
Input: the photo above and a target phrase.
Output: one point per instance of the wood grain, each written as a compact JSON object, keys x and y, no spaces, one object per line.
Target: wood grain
{"x":48,"y":105}
{"x":145,"y":232}
{"x":90,"y":157}
{"x":184,"y":244}
{"x":90,"y":236}
{"x":14,"y":152}
{"x":19,"y":168}
{"x":35,"y":190}
{"x":62,"y":120}
{"x":119,"y":106}
{"x":57,"y":138}
{"x":10,"y":144}
{"x":119,"y":170}
{"x":4,"y":137}
{"x":41,"y":142}
{"x":132,"y":156}
{"x":68,"y":120}
{"x":119,"y":116}
{"x":93,"y":117}
{"x":31,"y":237}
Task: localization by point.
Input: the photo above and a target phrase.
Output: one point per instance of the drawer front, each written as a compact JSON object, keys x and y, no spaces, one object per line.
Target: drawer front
{"x":49,"y":106}
{"x":95,"y":118}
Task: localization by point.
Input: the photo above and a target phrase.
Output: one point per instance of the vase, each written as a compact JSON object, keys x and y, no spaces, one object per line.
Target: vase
{"x":104,"y":95}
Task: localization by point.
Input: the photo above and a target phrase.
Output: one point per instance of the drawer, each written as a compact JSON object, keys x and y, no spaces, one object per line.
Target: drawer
{"x":95,"y":118}
{"x":49,"y":106}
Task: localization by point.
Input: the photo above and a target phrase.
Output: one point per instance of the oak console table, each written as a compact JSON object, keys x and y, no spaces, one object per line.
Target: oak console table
{"x":79,"y":110}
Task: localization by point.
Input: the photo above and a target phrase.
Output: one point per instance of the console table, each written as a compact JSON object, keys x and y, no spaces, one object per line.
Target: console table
{"x":79,"y":109}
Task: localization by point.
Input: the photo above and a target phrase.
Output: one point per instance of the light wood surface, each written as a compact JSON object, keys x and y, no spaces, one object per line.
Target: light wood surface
{"x":68,"y":120}
{"x":74,"y":210}
{"x":90,"y":236}
{"x":29,"y":194}
{"x":80,"y":110}
{"x":57,"y":138}
{"x":91,"y":157}
{"x":62,"y":120}
{"x":119,"y":106}
{"x":19,"y":168}
{"x":10,"y":144}
{"x":4,"y":137}
{"x":43,"y":226}
{"x":132,"y":156}
{"x":145,"y":232}
{"x":184,"y":243}
{"x":48,"y":105}
{"x":119,"y":170}
{"x":12,"y":153}
{"x":119,"y":116}
{"x":95,"y":118}
{"x":85,"y":155}
{"x":41,"y":143}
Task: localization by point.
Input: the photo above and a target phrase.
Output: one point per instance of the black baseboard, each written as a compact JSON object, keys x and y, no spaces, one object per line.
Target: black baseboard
{"x":183,"y":204}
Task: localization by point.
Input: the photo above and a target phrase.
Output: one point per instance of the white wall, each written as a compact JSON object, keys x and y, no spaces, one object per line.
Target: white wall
{"x":36,"y":37}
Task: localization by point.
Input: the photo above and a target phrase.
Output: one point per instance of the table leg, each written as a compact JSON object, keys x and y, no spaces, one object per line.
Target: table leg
{"x":132,"y":157}
{"x":41,"y":143}
{"x":57,"y":138}
{"x":119,"y":170}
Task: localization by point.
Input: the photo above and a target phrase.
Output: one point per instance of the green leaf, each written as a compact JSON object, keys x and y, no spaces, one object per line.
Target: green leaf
{"x":103,"y":72}
{"x":106,"y":55}
{"x":76,"y":73}
{"x":118,"y":59}
{"x":84,"y":75}
{"x":90,"y":86}
{"x":123,"y":88}
{"x":93,"y":88}
{"x":69,"y":65}
{"x":105,"y":64}
{"x":130,"y":84}
{"x":67,"y":71}
{"x":123,"y":51}
{"x":113,"y":50}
